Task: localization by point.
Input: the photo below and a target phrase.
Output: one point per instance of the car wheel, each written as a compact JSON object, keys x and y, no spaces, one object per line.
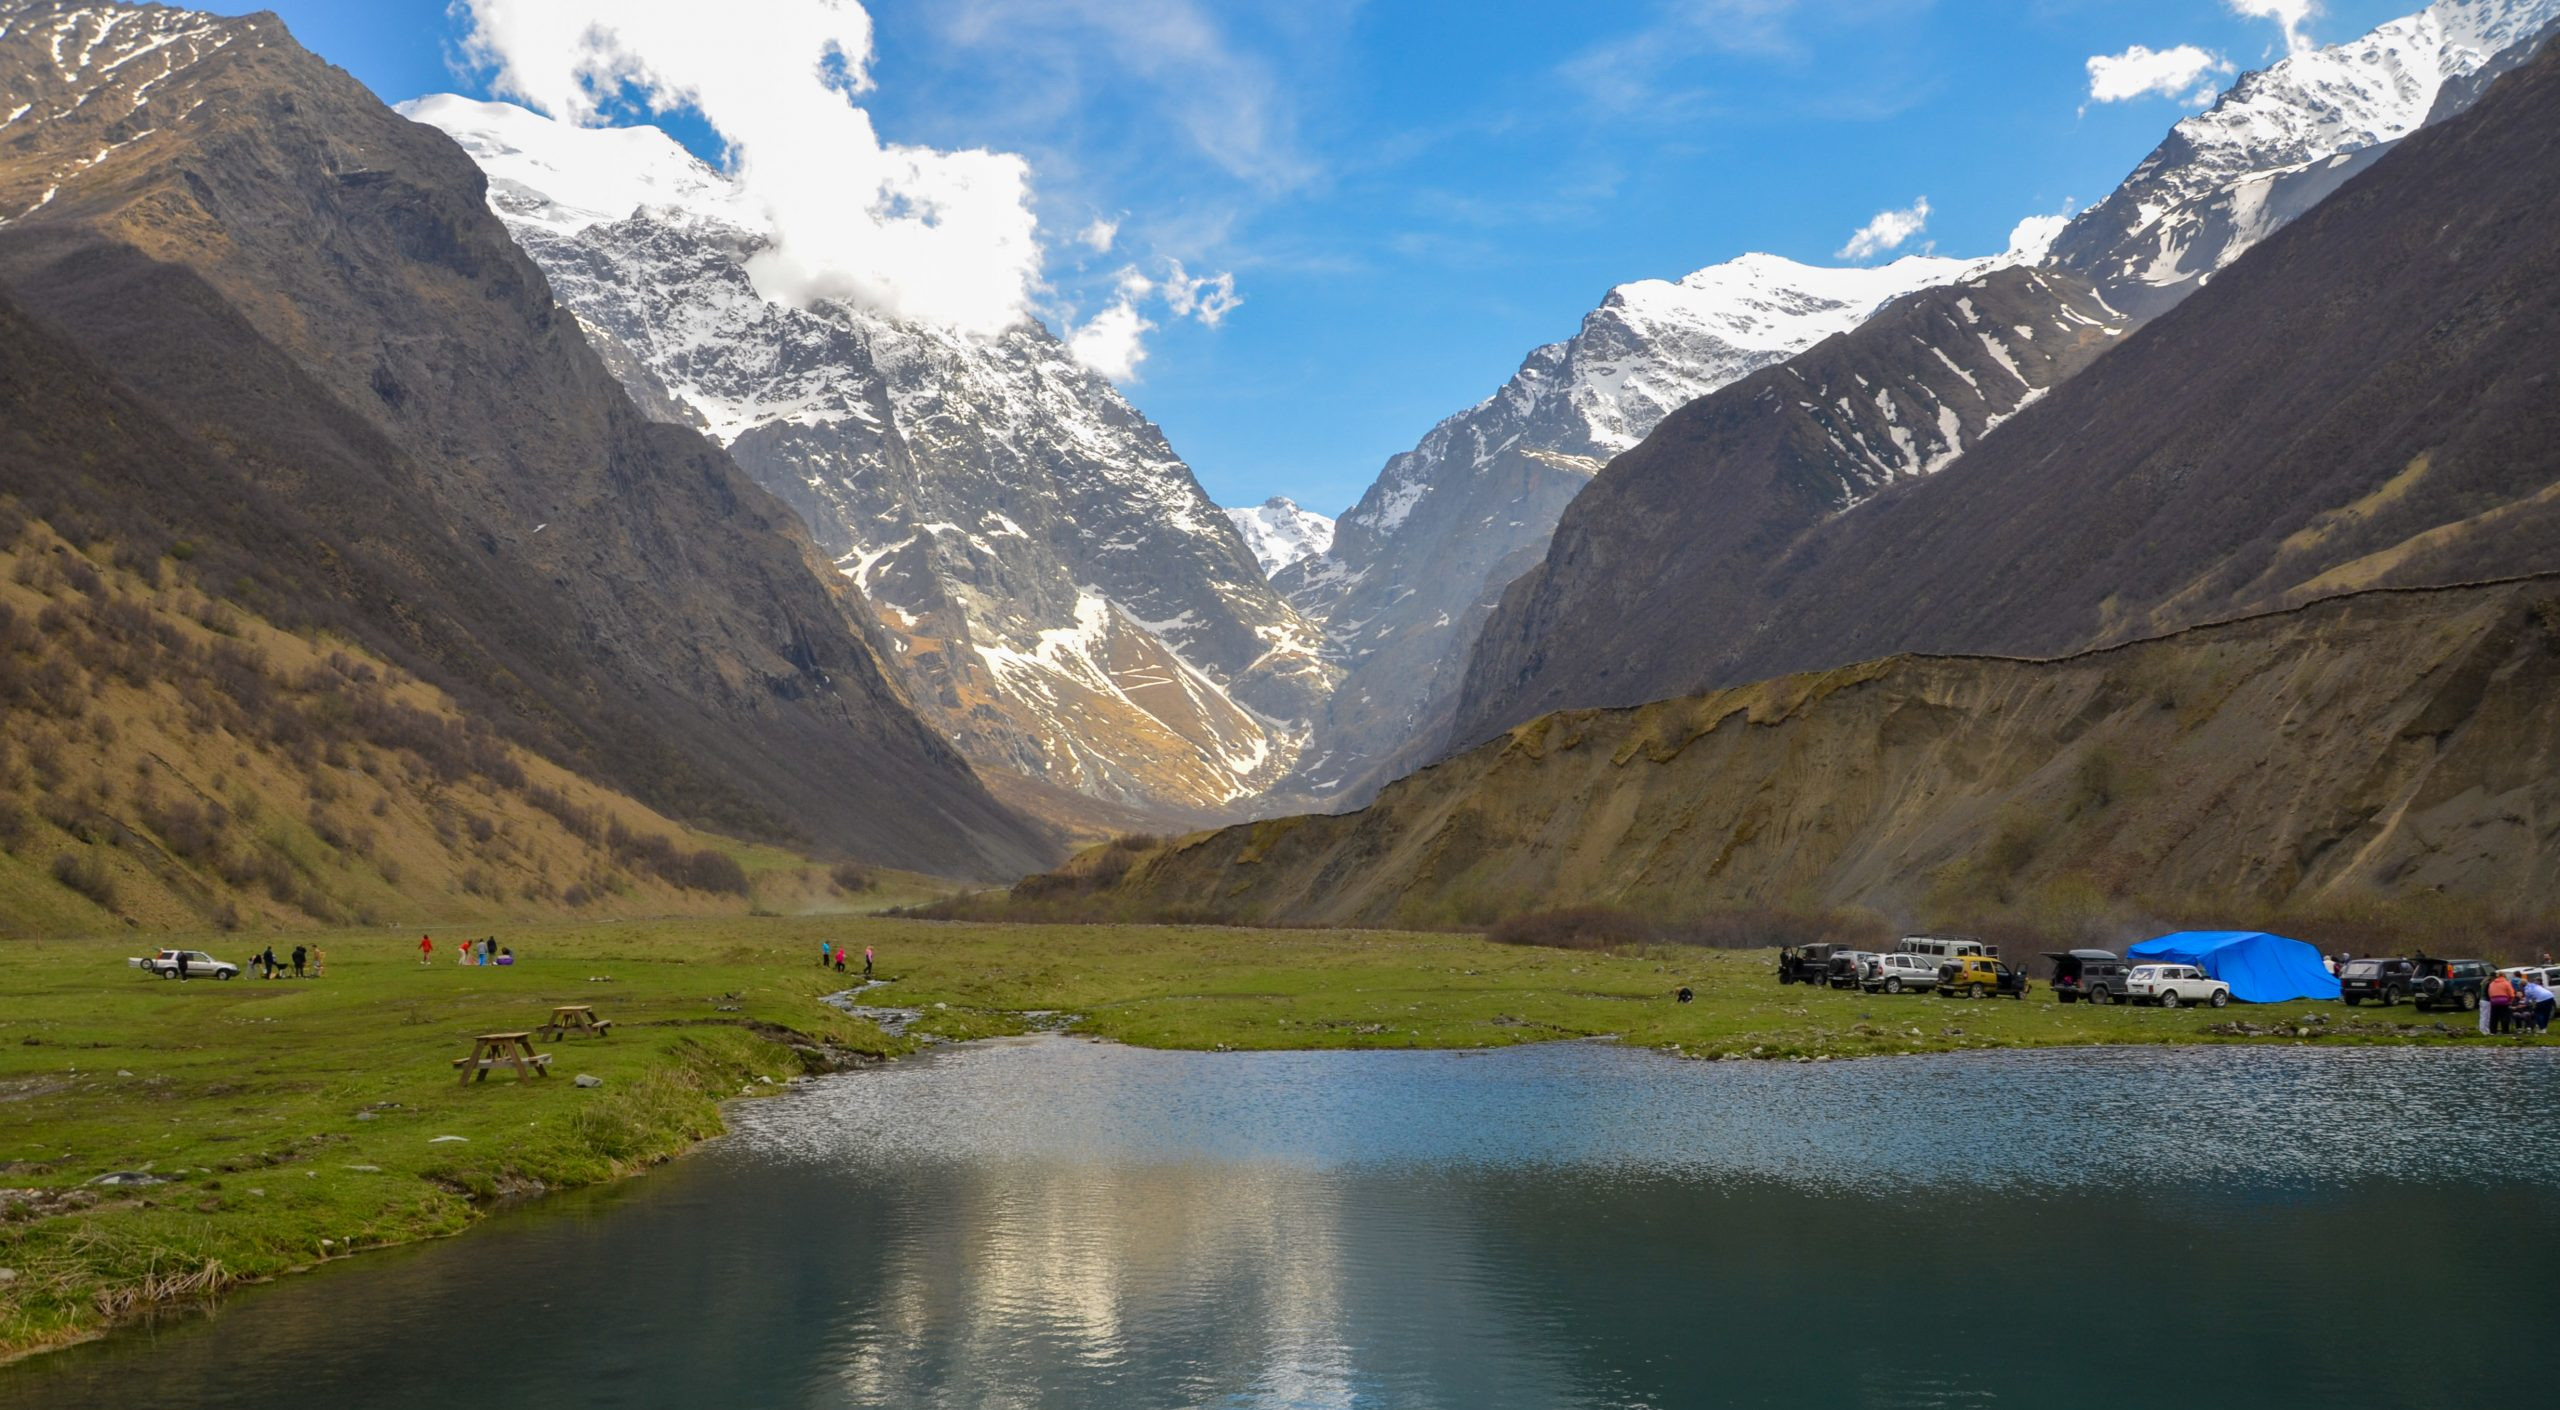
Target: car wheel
{"x":1973,"y":991}
{"x":2061,"y":998}
{"x":2390,"y":997}
{"x":2101,"y":996}
{"x":2470,"y":1000}
{"x":2168,"y":998}
{"x":224,"y":973}
{"x":1893,"y":986}
{"x":2221,"y":997}
{"x":2351,"y":1000}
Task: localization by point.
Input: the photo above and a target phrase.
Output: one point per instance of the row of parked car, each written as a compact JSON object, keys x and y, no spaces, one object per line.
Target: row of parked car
{"x":1953,"y":965}
{"x":2431,"y":983}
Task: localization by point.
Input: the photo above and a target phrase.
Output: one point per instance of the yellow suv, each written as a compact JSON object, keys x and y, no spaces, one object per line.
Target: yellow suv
{"x":1976,"y":975}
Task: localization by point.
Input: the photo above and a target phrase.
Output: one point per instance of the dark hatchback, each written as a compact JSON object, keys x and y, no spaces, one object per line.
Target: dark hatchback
{"x":2386,"y":982}
{"x":2454,"y":984}
{"x":2095,"y":975}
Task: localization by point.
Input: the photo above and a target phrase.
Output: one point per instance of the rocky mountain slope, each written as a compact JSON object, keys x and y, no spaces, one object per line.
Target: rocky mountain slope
{"x":2385,"y":743}
{"x":364,"y":404}
{"x":1415,"y":564}
{"x":1279,"y":533}
{"x":2272,"y":438}
{"x":1063,"y":599}
{"x":2271,"y":148}
{"x":2282,"y":138}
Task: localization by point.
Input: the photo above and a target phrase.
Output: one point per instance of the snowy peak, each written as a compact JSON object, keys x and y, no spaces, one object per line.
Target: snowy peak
{"x":1062,"y":597}
{"x":564,"y":178}
{"x":1279,"y":533}
{"x":2277,"y":141}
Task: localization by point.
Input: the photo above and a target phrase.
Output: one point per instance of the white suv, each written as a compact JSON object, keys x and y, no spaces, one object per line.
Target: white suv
{"x":2170,"y":985}
{"x":199,"y":965}
{"x":1895,"y":973}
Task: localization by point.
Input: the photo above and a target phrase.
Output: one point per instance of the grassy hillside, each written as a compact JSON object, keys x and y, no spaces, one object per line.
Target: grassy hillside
{"x":2376,"y":766}
{"x":169,"y":761}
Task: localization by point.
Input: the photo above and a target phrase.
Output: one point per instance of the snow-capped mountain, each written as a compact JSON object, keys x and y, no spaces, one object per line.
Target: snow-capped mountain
{"x":1280,"y":533}
{"x":1414,"y":566}
{"x":2281,"y":138}
{"x":1065,"y":600}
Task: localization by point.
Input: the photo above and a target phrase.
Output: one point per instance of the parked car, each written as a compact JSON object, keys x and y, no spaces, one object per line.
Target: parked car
{"x":2170,"y":985}
{"x":1894,"y":973}
{"x":1847,"y":967}
{"x":2095,"y":975}
{"x":1805,"y":964}
{"x":2454,"y":984}
{"x":1974,"y":976}
{"x":164,"y":963}
{"x":1941,"y":948}
{"x":2385,"y":981}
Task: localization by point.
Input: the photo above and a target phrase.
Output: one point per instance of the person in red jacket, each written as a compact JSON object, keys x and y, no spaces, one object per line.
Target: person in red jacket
{"x":426,"y":948}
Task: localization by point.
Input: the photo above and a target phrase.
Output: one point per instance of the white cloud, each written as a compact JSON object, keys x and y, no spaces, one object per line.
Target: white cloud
{"x":1890,"y":230}
{"x":2181,"y":72}
{"x":1209,"y":299}
{"x":946,"y":238}
{"x":1099,"y":236}
{"x":1114,"y":343}
{"x":2033,"y":237}
{"x":2293,"y":15}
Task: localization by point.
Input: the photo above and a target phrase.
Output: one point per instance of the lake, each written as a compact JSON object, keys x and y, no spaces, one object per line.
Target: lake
{"x":1052,"y":1222}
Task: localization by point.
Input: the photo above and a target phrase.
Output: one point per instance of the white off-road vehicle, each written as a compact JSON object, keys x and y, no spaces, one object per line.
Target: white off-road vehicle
{"x":2170,"y":985}
{"x":200,"y":965}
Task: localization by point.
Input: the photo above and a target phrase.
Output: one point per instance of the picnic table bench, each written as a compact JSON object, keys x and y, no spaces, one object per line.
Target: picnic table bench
{"x":575,"y":1018}
{"x":503,"y":1050}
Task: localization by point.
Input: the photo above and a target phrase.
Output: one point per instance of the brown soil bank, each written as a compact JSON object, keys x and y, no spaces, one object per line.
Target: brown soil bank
{"x":2388,"y":745}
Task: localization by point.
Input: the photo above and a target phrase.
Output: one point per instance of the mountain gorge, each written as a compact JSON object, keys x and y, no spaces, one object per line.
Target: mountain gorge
{"x":1415,"y":565}
{"x":1062,"y":599}
{"x":364,"y":415}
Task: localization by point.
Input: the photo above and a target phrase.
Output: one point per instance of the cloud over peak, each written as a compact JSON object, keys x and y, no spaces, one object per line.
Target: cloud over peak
{"x":2184,"y":72}
{"x":946,"y":238}
{"x":1889,"y":230}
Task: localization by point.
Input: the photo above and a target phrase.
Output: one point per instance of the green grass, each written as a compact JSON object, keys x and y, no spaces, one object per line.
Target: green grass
{"x":295,"y":1121}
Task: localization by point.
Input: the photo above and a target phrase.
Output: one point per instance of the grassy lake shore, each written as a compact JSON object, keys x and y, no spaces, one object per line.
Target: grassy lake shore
{"x":296,"y":1122}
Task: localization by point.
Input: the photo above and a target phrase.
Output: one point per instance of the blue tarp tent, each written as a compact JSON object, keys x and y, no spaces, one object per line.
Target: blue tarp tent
{"x":2260,"y":968}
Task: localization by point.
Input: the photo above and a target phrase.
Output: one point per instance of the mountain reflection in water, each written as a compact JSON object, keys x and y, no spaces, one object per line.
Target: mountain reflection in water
{"x":1049,"y":1222}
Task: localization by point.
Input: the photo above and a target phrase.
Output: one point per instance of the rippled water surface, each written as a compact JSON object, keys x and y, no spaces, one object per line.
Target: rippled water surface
{"x":1049,"y":1222}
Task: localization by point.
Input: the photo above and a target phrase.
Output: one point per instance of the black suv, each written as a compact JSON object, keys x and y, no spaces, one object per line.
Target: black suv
{"x":2095,"y":975}
{"x":1805,"y":964}
{"x":2454,"y":984}
{"x":2386,"y":982}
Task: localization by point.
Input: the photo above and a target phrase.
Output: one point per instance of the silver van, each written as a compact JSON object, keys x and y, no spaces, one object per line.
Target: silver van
{"x":1941,"y":948}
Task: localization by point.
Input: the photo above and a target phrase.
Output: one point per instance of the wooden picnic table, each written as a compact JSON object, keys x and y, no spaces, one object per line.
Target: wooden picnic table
{"x":503,"y":1050}
{"x":576,"y":1018}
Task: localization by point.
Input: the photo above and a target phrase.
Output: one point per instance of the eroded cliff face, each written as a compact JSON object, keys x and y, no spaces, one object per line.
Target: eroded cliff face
{"x":2388,"y":742}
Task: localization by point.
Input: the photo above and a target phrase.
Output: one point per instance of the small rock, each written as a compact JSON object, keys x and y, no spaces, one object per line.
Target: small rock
{"x":588,"y":1079}
{"x":127,"y":1177}
{"x":328,"y":1243}
{"x":259,"y":1193}
{"x":120,"y":1072}
{"x":763,"y":1080}
{"x":367,"y":1169}
{"x":368,"y":1115}
{"x":440,"y":1140}
{"x":8,"y":1276}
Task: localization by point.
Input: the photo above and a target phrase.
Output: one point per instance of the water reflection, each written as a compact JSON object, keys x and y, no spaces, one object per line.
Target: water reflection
{"x":1054,"y":1223}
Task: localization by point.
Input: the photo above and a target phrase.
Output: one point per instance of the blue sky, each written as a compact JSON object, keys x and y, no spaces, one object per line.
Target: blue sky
{"x":1410,"y":196}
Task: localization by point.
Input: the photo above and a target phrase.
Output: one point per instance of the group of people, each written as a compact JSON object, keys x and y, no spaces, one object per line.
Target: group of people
{"x":269,"y":967}
{"x":2512,"y":1007}
{"x":832,"y":953}
{"x":485,"y":950}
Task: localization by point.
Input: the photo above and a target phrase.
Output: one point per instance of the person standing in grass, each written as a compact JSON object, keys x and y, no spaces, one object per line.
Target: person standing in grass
{"x":2502,"y":1004}
{"x":299,"y":955}
{"x":826,"y":953}
{"x":426,"y":948}
{"x":866,"y":963}
{"x":2538,"y":1002}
